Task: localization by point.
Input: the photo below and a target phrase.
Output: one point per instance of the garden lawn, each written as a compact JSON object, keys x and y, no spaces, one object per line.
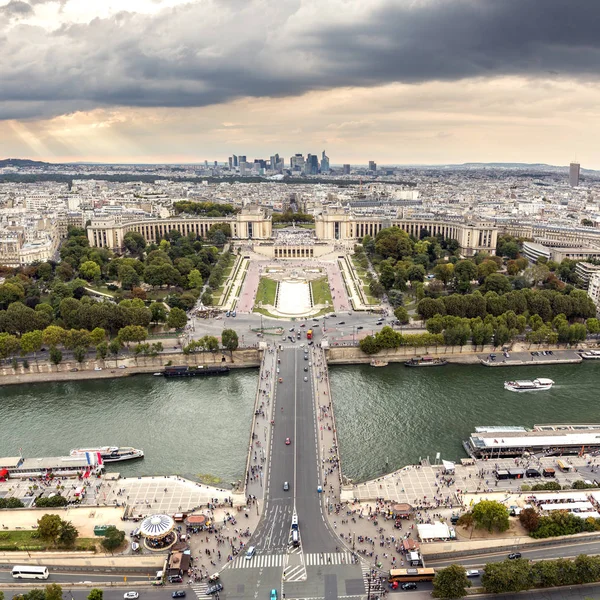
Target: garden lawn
{"x":267,"y":289}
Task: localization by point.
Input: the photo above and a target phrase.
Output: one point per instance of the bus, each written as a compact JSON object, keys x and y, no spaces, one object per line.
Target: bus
{"x":29,"y":572}
{"x":404,"y":575}
{"x":309,"y":334}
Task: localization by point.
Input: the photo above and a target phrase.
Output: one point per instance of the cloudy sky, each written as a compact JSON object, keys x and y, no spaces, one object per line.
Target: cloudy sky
{"x":395,"y":81}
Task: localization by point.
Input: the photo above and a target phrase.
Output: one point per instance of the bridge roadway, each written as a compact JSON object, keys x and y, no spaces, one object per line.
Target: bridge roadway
{"x":317,"y":568}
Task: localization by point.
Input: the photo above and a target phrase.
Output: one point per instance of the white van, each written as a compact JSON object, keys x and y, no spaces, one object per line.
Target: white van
{"x":250,"y":552}
{"x":295,"y":537}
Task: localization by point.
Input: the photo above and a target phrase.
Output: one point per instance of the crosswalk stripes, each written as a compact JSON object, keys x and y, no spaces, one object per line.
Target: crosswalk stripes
{"x":295,"y":573}
{"x":375,"y":585}
{"x":329,"y":558}
{"x":200,"y":589}
{"x":258,"y":561}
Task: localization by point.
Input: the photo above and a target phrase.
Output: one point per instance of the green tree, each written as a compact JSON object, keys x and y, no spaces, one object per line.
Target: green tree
{"x":402,"y":315}
{"x":113,"y":538}
{"x":393,"y":242}
{"x":115,"y":346}
{"x":490,"y":515}
{"x":67,"y":535}
{"x":133,"y":333}
{"x":530,"y":519}
{"x":90,"y":270}
{"x":79,"y":354}
{"x":134,"y":242}
{"x":102,"y":350}
{"x":9,"y":345}
{"x":31,"y":342}
{"x":229,"y":339}
{"x":444,"y":272}
{"x":97,"y":336}
{"x":195,"y":280}
{"x":53,"y":592}
{"x":128,"y":277}
{"x":451,"y":582}
{"x":53,"y":335}
{"x":508,"y":576}
{"x":369,"y":345}
{"x":95,"y":594}
{"x":158,"y":312}
{"x":49,"y":527}
{"x":56,"y":355}
{"x":177,"y":318}
{"x":9,"y":293}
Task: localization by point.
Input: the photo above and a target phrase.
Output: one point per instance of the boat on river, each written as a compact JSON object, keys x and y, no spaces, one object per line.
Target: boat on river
{"x":425,"y":361}
{"x":536,"y":385}
{"x":377,"y":362}
{"x":200,"y":371}
{"x":110,"y":453}
{"x":590,"y":354}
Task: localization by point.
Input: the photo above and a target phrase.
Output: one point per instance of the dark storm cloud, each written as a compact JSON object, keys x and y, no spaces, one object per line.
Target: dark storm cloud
{"x":16,"y":8}
{"x":202,"y":53}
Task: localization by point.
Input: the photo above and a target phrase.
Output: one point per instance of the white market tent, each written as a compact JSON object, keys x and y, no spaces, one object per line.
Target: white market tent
{"x":435,"y":531}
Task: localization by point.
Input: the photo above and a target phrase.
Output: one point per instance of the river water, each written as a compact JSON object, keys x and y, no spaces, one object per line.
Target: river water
{"x":386,"y":417}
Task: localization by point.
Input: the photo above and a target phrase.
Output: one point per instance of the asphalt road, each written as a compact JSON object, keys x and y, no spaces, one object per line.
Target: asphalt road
{"x":296,"y":464}
{"x":58,"y":577}
{"x":109,"y":593}
{"x":559,"y":551}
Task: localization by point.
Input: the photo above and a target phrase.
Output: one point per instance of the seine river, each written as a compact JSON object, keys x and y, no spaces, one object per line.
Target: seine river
{"x":386,"y":417}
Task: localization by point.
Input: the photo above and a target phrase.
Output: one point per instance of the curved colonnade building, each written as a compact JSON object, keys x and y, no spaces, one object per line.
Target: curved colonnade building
{"x":335,"y":226}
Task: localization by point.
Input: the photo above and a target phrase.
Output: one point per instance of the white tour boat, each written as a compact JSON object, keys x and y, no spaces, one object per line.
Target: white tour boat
{"x":590,"y":355}
{"x":111,"y":453}
{"x":529,"y":386}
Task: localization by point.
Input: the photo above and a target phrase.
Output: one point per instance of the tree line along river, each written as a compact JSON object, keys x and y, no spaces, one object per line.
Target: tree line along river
{"x":386,"y":418}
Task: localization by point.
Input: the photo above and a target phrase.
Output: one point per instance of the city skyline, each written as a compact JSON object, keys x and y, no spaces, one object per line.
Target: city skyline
{"x":409,"y":83}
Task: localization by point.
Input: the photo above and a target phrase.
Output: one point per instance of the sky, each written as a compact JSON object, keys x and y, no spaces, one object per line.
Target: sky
{"x":394,"y":81}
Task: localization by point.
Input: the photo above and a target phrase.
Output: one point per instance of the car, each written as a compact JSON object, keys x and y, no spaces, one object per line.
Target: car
{"x":303,"y":325}
{"x":286,"y":488}
{"x":514,"y":555}
{"x":281,"y":380}
{"x":178,"y":594}
{"x":213,"y":589}
{"x":273,"y":595}
{"x":360,"y":327}
{"x":283,"y":338}
{"x":306,"y":379}
{"x":473,"y":573}
{"x":310,"y":343}
{"x":131,"y":595}
{"x":379,"y":323}
{"x":74,"y":370}
{"x":342,"y":323}
{"x":227,"y":313}
{"x":394,"y":585}
{"x":315,"y":325}
{"x":305,"y":369}
{"x":288,"y":441}
{"x":250,"y":552}
{"x":234,"y":314}
{"x":122,"y":366}
{"x":278,"y":370}
{"x":333,"y":316}
{"x":98,"y":369}
{"x":175,"y":579}
{"x":409,"y":585}
{"x":291,"y":328}
{"x":550,"y":353}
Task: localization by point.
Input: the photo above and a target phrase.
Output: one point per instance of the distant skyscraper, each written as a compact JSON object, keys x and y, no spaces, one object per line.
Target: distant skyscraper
{"x":235,"y":160}
{"x":230,"y":163}
{"x":324,"y":163}
{"x":241,"y":159}
{"x":297,"y":162}
{"x":372,"y":165}
{"x":312,"y":164}
{"x":206,"y":163}
{"x":216,"y":164}
{"x":273,"y":161}
{"x":346,"y":169}
{"x":574,"y":174}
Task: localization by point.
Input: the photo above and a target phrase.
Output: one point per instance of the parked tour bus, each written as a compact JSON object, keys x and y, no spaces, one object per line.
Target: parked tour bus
{"x":309,"y":334}
{"x":404,"y":575}
{"x":563,"y":466}
{"x":29,"y":572}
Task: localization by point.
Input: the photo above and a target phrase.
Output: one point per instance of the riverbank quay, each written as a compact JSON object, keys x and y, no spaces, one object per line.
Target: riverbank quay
{"x":519,"y":355}
{"x":366,"y":525}
{"x":45,"y":371}
{"x":261,"y":432}
{"x":527,"y":359}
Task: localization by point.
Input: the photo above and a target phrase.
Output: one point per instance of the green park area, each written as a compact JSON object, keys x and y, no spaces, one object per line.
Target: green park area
{"x":267,"y":290}
{"x":31,"y":541}
{"x":320,"y":291}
